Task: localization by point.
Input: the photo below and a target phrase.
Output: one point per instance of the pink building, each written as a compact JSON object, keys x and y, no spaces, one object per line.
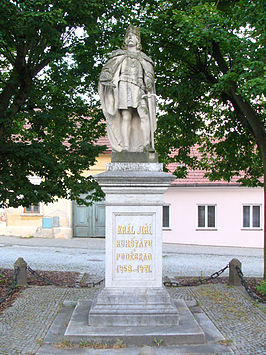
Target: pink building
{"x":201,"y":212}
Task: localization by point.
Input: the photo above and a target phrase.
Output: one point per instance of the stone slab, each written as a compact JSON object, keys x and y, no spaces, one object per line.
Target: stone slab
{"x":211,"y":332}
{"x":201,"y":349}
{"x":138,"y":176}
{"x":137,"y":157}
{"x":138,"y":167}
{"x":188,"y":331}
{"x":133,"y":307}
{"x":132,"y":177}
{"x":57,"y":329}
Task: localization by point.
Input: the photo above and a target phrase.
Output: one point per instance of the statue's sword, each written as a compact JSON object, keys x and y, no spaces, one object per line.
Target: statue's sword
{"x":151,"y":98}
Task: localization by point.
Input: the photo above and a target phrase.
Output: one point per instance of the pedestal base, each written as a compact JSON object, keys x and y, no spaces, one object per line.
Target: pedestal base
{"x":195,"y":334}
{"x":133,"y":307}
{"x":188,"y":331}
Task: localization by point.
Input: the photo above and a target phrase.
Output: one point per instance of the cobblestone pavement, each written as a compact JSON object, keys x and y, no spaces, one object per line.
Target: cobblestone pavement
{"x":24,"y":325}
{"x":241,"y":322}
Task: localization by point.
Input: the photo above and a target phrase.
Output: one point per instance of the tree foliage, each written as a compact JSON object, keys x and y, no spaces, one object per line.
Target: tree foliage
{"x":209,"y":59}
{"x":48,"y":76}
{"x":209,"y":63}
{"x":209,"y":69}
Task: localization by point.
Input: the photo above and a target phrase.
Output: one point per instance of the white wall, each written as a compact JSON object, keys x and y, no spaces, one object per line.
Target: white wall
{"x":229,"y":204}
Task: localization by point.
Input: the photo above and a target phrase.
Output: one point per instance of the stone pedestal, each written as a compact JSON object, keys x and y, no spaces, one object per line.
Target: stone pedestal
{"x":133,"y":293}
{"x":134,"y":306}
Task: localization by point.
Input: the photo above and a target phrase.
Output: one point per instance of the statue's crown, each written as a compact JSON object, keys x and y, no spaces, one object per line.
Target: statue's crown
{"x":133,"y":29}
{"x":136,"y":31}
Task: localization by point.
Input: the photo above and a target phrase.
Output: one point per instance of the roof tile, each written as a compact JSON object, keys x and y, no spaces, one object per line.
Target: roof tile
{"x":194,"y":177}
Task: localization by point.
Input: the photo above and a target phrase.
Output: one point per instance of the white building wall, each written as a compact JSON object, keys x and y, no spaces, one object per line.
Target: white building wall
{"x":229,"y":205}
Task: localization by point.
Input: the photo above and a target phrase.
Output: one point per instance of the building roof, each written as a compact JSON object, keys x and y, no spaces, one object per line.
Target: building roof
{"x":194,"y":177}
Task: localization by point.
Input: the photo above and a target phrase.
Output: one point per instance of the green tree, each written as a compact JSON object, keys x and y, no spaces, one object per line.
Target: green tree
{"x":209,"y":59}
{"x":48,"y":71}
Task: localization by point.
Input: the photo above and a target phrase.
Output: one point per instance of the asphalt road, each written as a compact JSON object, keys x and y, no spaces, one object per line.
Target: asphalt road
{"x":88,"y":256}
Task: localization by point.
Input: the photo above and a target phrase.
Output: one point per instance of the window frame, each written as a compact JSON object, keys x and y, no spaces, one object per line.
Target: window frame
{"x":206,"y":205}
{"x":169,"y":220}
{"x":251,"y":227}
{"x":32,"y":212}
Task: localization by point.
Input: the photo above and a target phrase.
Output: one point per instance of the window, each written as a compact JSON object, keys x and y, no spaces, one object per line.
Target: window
{"x":252,"y":216}
{"x":32,"y":208}
{"x":166,"y":216}
{"x":206,"y":216}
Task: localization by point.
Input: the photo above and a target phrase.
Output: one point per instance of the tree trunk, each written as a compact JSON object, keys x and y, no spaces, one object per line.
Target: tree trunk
{"x":259,"y":135}
{"x":264,"y":219}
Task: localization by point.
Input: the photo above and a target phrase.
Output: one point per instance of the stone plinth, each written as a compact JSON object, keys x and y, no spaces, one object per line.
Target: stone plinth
{"x":188,"y":331}
{"x":133,"y":307}
{"x":133,"y":293}
{"x":134,"y":157}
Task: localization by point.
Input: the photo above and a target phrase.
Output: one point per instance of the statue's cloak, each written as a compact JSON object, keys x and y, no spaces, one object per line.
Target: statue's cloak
{"x":109,"y":99}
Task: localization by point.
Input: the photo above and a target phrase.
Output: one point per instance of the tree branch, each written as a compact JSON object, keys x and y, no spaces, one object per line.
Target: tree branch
{"x":248,"y":115}
{"x":7,"y":93}
{"x":251,"y":116}
{"x":219,"y":58}
{"x":9,"y":54}
{"x":241,"y":117}
{"x":20,"y":97}
{"x":202,"y":67}
{"x":40,"y":66}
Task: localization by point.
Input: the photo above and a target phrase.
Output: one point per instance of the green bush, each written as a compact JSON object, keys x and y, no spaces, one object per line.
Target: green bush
{"x":262,"y":287}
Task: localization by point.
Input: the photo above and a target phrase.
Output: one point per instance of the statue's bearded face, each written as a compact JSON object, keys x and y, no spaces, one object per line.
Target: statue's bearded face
{"x":132,"y":40}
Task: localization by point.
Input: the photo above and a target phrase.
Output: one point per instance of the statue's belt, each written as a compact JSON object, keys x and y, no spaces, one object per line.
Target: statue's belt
{"x":132,"y":81}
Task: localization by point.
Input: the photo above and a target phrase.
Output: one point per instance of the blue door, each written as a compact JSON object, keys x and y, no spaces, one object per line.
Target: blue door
{"x":89,"y":221}
{"x":99,"y":209}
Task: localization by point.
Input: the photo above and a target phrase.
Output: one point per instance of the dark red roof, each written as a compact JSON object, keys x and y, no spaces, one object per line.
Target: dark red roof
{"x":196,"y":178}
{"x":193,"y":178}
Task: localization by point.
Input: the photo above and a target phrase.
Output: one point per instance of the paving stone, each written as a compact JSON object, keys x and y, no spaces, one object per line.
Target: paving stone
{"x":24,"y":325}
{"x":238,"y":319}
{"x":146,"y":350}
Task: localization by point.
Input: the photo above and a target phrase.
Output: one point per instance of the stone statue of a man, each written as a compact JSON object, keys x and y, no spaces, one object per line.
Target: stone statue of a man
{"x":127,"y":94}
